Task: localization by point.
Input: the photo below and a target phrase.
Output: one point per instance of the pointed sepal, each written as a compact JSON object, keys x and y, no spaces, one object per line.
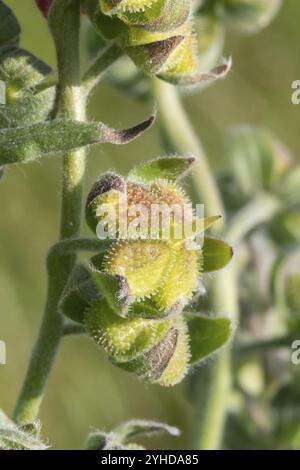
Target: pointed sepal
{"x":169,"y":168}
{"x":114,"y":288}
{"x":216,"y":254}
{"x":80,"y":292}
{"x":207,"y":335}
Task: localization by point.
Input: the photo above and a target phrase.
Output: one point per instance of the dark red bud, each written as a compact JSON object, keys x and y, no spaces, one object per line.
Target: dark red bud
{"x":44,"y":6}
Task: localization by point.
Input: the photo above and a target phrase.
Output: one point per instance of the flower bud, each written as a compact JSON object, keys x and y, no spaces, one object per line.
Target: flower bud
{"x":157,"y":15}
{"x":44,"y":6}
{"x":158,"y":35}
{"x":146,"y":277}
{"x":156,"y":266}
{"x":104,"y":191}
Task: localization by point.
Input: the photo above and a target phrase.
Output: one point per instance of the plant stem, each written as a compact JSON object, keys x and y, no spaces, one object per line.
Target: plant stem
{"x":259,"y":210}
{"x":70,"y":104}
{"x":72,"y":328}
{"x":106,"y":57}
{"x":258,"y":347}
{"x":72,"y":246}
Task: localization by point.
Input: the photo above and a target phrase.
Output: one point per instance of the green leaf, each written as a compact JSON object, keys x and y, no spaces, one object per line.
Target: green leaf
{"x":207,"y":335}
{"x":120,"y":437}
{"x":138,"y":427}
{"x":13,"y":437}
{"x":115,"y":289}
{"x":248,"y":16}
{"x":108,"y":28}
{"x":257,"y":158}
{"x":9,"y":26}
{"x":31,"y":109}
{"x":170,"y":168}
{"x":285,"y":227}
{"x":202,"y":225}
{"x":290,"y":186}
{"x":199,"y":78}
{"x":285,"y":415}
{"x":21,"y":71}
{"x":25,"y":144}
{"x":216,"y":254}
{"x":97,"y":440}
{"x":78,"y":295}
{"x":5,"y":420}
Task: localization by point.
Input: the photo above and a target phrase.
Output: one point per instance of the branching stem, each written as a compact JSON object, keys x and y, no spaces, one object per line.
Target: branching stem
{"x":65,"y":29}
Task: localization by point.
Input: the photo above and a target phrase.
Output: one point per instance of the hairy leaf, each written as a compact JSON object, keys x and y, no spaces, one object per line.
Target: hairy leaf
{"x":114,"y":288}
{"x":207,"y":335}
{"x":9,"y":26}
{"x":138,"y":427}
{"x":13,"y":437}
{"x":30,"y":109}
{"x":21,"y":70}
{"x":120,"y":437}
{"x":78,"y":295}
{"x":216,"y":254}
{"x":25,"y":144}
{"x":170,"y":168}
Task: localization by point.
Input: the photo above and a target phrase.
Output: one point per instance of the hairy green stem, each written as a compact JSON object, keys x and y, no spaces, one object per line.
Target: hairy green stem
{"x":93,"y":76}
{"x":71,"y":328}
{"x":65,"y":25}
{"x":259,"y":210}
{"x":72,"y":246}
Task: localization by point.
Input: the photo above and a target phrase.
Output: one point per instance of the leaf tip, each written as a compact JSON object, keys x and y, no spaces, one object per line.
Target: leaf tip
{"x":125,"y":136}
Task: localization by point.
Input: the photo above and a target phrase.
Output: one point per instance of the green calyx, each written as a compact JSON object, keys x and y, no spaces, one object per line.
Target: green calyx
{"x":161,"y":262}
{"x":158,"y":35}
{"x":132,"y":298}
{"x":157,"y":351}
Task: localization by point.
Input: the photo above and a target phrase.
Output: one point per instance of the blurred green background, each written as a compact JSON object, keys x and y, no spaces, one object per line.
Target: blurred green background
{"x":85,"y":391}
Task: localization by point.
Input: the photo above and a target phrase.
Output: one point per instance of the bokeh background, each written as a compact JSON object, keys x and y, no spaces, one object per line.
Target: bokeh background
{"x":85,"y":391}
